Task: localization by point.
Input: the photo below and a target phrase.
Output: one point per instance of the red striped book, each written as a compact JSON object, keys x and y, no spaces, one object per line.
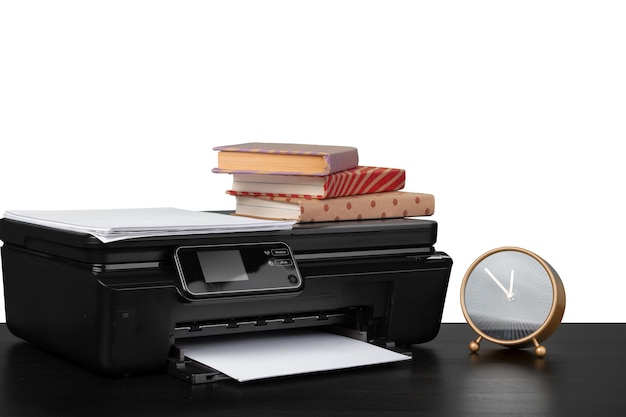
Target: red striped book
{"x":355,"y":181}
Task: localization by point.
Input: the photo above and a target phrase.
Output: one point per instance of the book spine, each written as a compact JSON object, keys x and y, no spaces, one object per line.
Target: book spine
{"x":366,"y":180}
{"x":373,"y":206}
{"x":341,"y":161}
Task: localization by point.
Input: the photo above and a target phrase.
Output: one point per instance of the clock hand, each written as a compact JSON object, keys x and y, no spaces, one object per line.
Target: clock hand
{"x":507,"y":293}
{"x":510,"y":295}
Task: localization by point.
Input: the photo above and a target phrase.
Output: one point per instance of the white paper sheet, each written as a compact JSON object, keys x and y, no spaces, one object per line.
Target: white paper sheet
{"x":117,"y":224}
{"x":248,"y":357}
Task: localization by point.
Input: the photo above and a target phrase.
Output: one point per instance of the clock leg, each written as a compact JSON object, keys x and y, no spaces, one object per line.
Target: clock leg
{"x":540,"y":350}
{"x":474,"y":345}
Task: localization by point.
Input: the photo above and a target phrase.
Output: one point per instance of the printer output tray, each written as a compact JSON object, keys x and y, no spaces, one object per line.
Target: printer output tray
{"x":119,"y":307}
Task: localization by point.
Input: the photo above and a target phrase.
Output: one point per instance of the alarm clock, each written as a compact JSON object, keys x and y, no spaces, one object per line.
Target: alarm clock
{"x":512,"y":297}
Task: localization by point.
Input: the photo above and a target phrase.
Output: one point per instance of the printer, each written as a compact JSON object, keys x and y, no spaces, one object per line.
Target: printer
{"x":123,"y":307}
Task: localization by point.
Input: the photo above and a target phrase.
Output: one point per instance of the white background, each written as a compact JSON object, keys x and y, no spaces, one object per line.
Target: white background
{"x":512,"y":113}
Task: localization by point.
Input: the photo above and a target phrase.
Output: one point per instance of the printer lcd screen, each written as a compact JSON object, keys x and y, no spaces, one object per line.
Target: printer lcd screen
{"x":235,"y":269}
{"x":222,"y":266}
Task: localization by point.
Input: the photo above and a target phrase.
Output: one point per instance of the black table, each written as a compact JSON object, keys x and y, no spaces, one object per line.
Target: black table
{"x":583,"y":374}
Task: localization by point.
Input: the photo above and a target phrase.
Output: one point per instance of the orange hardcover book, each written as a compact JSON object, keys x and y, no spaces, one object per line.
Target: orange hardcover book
{"x":285,"y":158}
{"x":355,"y":181}
{"x":383,"y":205}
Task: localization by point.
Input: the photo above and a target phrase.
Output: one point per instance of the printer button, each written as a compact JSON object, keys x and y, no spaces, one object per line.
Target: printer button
{"x":283,"y":262}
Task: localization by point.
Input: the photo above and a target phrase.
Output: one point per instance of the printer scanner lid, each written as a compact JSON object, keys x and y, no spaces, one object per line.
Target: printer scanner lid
{"x":303,"y":238}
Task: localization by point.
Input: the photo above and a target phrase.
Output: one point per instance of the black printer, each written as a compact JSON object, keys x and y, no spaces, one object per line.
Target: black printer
{"x":121,"y":307}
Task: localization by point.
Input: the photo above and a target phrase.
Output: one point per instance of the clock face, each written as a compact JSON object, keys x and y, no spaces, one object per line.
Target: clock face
{"x":508,"y":295}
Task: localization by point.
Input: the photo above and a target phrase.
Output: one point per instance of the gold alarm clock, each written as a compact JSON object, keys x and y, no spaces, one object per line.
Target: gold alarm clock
{"x":512,"y":297}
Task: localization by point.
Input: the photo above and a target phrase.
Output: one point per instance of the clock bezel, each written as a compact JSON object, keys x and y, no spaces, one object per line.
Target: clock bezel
{"x":554,"y":317}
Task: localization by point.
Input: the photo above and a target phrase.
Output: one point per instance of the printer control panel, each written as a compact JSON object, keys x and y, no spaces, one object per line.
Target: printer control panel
{"x":236,"y":269}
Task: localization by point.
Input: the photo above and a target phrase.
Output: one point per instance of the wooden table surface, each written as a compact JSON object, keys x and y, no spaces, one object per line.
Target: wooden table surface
{"x":583,"y":374}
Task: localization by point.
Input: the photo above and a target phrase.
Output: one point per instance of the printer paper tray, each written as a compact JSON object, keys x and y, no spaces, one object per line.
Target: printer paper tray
{"x":194,"y":372}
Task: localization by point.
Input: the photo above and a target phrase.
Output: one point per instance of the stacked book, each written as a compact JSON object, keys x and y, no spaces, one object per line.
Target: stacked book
{"x":315,"y":183}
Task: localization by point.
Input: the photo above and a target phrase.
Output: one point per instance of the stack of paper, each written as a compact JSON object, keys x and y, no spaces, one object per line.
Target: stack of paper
{"x":247,"y":357}
{"x":118,"y":224}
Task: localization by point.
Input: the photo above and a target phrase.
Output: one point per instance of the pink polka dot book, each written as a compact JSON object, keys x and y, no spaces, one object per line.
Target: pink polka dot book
{"x":388,"y":204}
